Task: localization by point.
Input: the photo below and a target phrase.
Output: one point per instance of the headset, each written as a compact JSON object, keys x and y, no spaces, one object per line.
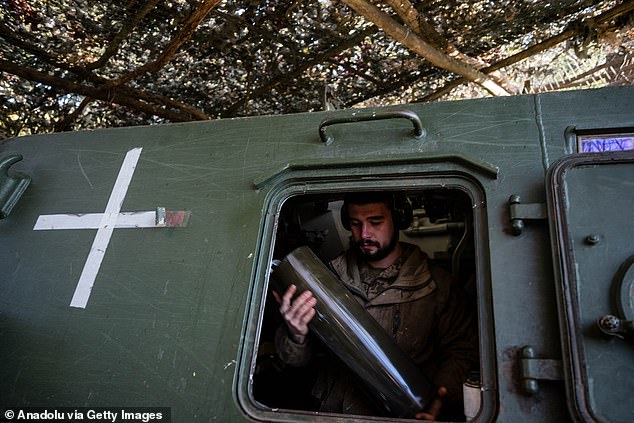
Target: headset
{"x":399,"y":204}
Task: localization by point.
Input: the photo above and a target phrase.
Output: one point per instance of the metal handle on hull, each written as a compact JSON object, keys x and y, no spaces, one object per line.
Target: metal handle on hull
{"x":355,"y":337}
{"x":418,"y":132}
{"x":11,"y":186}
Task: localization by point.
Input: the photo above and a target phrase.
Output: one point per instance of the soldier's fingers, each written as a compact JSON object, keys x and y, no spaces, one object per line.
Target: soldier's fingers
{"x":298,"y":313}
{"x":299,"y":323}
{"x":308,"y":316}
{"x":301,"y":305}
{"x":434,"y":409}
{"x":304,"y":296}
{"x":286,"y":299}
{"x":308,"y":306}
{"x":424,"y":416}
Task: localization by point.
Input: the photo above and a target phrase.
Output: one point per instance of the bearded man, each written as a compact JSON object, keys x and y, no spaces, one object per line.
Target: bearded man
{"x":418,"y":305}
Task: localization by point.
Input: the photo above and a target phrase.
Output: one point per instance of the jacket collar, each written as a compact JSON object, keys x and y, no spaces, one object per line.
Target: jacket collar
{"x":414,"y":279}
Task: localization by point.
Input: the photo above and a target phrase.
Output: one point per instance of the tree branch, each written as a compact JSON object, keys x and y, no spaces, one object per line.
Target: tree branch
{"x":126,"y":30}
{"x":418,"y":23}
{"x":111,"y":95}
{"x":595,"y":73}
{"x":279,"y":80}
{"x":64,"y":123}
{"x":573,"y":29}
{"x":354,"y":71}
{"x":412,"y":41}
{"x":87,"y":75}
{"x":170,"y":52}
{"x":422,"y":27}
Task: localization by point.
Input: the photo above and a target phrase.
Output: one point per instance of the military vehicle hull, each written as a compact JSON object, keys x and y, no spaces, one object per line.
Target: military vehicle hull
{"x":135,"y":266}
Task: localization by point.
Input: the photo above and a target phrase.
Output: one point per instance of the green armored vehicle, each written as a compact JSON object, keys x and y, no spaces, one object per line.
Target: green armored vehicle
{"x":136,"y":262}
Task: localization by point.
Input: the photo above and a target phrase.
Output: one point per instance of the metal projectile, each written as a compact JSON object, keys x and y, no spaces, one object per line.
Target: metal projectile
{"x":355,"y":336}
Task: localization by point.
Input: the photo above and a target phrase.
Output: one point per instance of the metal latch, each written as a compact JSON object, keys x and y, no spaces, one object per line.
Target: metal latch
{"x":613,"y":326}
{"x":621,"y":325}
{"x":533,"y":369}
{"x":11,"y":186}
{"x":519,"y":212}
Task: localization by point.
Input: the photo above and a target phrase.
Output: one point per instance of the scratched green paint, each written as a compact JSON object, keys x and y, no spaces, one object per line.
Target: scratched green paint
{"x":164,"y":322}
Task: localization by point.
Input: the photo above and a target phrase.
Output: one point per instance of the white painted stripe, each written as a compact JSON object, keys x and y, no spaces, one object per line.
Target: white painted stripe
{"x":125,"y":220}
{"x":104,"y":231}
{"x":67,"y":221}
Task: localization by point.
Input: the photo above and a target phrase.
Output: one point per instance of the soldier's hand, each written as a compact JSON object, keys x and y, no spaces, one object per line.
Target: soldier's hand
{"x":298,"y":312}
{"x":431,"y":413}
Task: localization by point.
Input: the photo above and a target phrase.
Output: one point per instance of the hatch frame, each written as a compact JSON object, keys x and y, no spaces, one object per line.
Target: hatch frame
{"x":413,"y":176}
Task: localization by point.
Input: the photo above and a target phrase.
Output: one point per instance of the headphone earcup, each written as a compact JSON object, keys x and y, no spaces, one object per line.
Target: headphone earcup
{"x":402,"y":211}
{"x":345,"y":219}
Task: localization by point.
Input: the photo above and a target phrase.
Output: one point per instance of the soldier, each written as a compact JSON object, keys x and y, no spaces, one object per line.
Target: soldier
{"x":418,"y":304}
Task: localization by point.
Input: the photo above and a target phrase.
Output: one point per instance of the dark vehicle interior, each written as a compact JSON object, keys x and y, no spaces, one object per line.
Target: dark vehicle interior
{"x":442,"y":226}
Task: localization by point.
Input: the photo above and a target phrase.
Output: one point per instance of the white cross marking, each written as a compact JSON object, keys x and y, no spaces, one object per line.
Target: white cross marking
{"x":107,"y":221}
{"x":142,"y":219}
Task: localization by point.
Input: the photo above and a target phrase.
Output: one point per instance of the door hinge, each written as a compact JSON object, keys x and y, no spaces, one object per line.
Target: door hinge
{"x":519,"y":212}
{"x":533,"y":369}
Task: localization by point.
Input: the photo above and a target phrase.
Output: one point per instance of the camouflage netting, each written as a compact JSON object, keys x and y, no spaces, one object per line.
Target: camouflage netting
{"x":69,"y":65}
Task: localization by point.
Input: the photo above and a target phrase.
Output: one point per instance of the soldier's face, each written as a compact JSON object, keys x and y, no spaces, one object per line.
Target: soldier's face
{"x":372,"y":230}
